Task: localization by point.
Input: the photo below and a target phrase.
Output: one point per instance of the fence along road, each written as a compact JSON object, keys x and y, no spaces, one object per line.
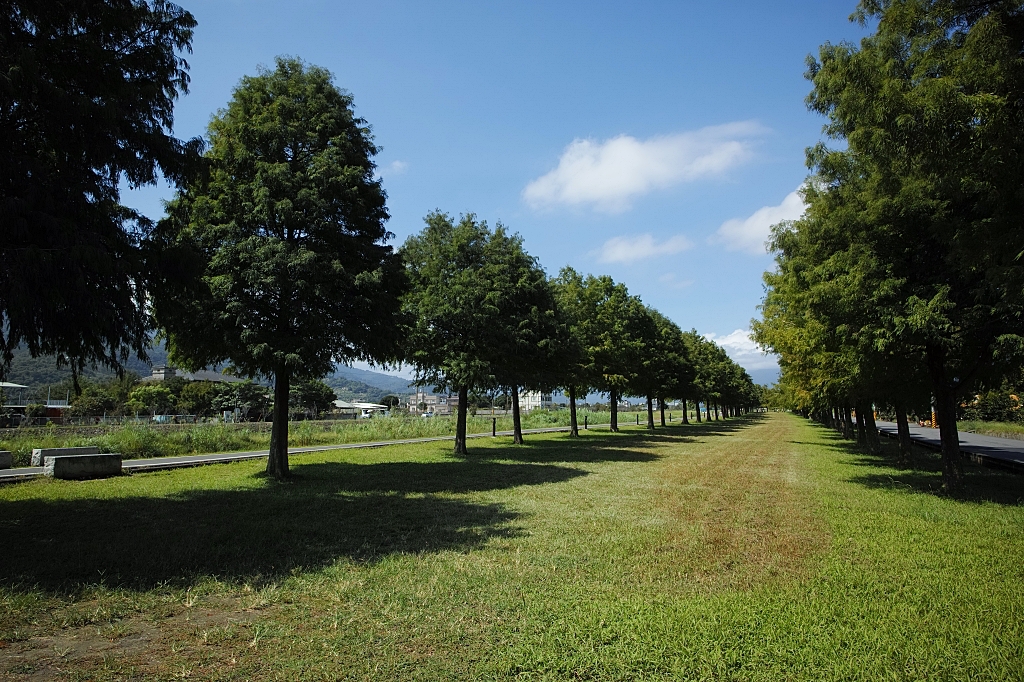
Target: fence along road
{"x":1005,"y":453}
{"x":129,"y":466}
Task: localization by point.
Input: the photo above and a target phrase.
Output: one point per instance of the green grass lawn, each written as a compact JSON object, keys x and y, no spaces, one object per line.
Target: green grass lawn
{"x":761,"y":548}
{"x":134,"y":440}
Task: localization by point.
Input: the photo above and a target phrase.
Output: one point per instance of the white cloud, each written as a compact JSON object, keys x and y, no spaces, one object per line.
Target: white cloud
{"x":641,"y":247}
{"x":741,"y":348}
{"x":394,"y":168}
{"x":671,"y":280}
{"x":609,"y":175}
{"x":751,"y":234}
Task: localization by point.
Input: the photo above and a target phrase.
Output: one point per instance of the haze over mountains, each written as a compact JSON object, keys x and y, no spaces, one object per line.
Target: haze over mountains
{"x":350,"y":383}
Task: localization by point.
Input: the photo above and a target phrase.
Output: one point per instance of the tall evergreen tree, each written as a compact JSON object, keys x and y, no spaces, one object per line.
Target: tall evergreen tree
{"x":86,"y":103}
{"x":289,"y":225}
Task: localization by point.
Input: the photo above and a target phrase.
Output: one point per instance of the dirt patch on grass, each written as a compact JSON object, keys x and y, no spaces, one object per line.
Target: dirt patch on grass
{"x":744,"y":506}
{"x":139,"y":647}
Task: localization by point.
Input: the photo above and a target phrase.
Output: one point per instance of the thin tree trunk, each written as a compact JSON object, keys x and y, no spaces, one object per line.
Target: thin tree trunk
{"x":696,"y":410}
{"x":902,"y":432}
{"x":661,"y":407}
{"x":517,"y":422}
{"x":574,"y":426}
{"x":277,"y":461}
{"x":848,"y":422}
{"x":707,"y":411}
{"x":650,"y":413}
{"x":613,"y":404}
{"x":945,"y":411}
{"x":874,"y":445}
{"x":717,"y":418}
{"x":686,"y":419}
{"x":862,"y":437}
{"x":460,"y":423}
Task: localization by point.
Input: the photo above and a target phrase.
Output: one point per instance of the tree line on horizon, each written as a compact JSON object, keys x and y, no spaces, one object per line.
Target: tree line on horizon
{"x":273,"y":256}
{"x":902,"y":285}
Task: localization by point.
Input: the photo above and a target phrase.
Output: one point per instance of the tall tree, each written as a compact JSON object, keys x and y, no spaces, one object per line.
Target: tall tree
{"x":929,"y":108}
{"x":621,"y":325}
{"x":577,"y":309}
{"x":454,"y":316}
{"x":528,"y":340}
{"x":297,"y":274}
{"x":86,"y":103}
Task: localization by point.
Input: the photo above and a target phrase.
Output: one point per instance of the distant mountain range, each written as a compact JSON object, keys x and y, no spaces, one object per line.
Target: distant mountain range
{"x":387,"y":382}
{"x":348,"y":382}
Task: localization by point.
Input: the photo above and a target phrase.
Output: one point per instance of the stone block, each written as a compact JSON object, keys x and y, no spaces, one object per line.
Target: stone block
{"x":82,"y":466}
{"x":39,"y":455}
{"x":6,"y":459}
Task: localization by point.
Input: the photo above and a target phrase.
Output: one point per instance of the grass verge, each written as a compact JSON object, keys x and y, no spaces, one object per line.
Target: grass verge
{"x":133,"y":440}
{"x":758,"y":548}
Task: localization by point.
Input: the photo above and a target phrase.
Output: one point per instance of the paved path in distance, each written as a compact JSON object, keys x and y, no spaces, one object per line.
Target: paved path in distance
{"x":158,"y":463}
{"x":1007,"y":452}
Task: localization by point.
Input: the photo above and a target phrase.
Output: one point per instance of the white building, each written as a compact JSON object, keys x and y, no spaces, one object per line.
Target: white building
{"x":534,"y":400}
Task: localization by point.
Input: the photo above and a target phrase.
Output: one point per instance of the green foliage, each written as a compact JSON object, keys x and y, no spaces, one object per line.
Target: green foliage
{"x":288,"y":232}
{"x":87,"y":104}
{"x":451,"y":303}
{"x":151,"y":398}
{"x":314,"y":396}
{"x":904,"y":278}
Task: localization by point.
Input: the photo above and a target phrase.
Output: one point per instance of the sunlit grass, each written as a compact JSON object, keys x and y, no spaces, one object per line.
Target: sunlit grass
{"x":135,"y":440}
{"x":755,"y":549}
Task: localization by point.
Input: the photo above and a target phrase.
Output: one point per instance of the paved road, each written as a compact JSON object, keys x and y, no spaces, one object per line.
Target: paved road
{"x":1008,"y":452}
{"x":159,"y":463}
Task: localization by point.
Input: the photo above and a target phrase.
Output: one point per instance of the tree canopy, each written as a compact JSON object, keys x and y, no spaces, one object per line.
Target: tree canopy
{"x":86,"y":103}
{"x":904,"y":275}
{"x":289,"y":228}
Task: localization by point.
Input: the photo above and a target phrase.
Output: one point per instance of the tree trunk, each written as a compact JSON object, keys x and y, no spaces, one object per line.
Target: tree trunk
{"x":717,"y":418}
{"x":661,"y":407}
{"x":848,"y":422}
{"x":902,"y":432}
{"x":517,"y":422}
{"x":874,"y":445}
{"x":613,"y":404}
{"x":862,"y":438}
{"x":277,"y":461}
{"x":686,"y":418}
{"x":650,"y":413}
{"x":945,"y":411}
{"x":574,"y":426}
{"x":460,"y":423}
{"x":696,"y":410}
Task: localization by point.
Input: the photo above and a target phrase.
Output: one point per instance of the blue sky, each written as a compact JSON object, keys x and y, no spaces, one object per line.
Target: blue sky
{"x":654,"y":142}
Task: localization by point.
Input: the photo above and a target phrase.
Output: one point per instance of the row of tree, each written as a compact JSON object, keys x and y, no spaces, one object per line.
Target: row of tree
{"x":483,"y":314}
{"x":902,"y":285}
{"x":274,"y":256}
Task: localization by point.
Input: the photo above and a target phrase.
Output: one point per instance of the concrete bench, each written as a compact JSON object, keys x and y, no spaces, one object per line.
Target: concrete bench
{"x":82,"y":466}
{"x":40,"y":455}
{"x":6,"y":459}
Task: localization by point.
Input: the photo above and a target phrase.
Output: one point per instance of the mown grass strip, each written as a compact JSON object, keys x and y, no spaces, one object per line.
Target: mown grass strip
{"x":751,"y":549}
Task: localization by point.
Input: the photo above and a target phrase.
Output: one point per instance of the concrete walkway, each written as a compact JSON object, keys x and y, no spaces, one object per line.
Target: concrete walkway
{"x":130,"y":466}
{"x":1003,"y":452}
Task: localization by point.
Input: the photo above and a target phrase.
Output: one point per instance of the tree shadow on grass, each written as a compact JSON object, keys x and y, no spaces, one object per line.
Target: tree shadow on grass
{"x":334,"y":511}
{"x":923,"y":473}
{"x":602,"y":446}
{"x":591,"y":447}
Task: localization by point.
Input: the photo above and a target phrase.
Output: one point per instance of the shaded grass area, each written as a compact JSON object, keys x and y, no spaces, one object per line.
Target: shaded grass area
{"x":757,"y":548}
{"x":135,"y":440}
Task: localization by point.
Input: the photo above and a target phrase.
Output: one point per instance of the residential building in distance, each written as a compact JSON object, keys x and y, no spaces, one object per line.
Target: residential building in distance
{"x":163,"y":373}
{"x":423,"y":402}
{"x":535,"y":400}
